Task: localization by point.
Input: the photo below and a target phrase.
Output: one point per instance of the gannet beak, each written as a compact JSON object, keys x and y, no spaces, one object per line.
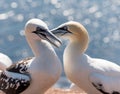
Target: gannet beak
{"x":53,"y":39}
{"x":47,"y":35}
{"x":60,"y":31}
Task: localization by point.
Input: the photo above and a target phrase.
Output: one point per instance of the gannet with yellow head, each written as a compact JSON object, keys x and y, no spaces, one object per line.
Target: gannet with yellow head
{"x":34,"y":75}
{"x":93,"y":75}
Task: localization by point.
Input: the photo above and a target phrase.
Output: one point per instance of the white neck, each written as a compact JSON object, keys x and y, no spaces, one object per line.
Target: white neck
{"x":78,"y":45}
{"x":75,"y":48}
{"x":40,"y":47}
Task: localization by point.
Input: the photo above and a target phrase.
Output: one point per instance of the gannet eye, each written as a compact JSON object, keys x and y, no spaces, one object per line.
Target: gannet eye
{"x":40,"y":32}
{"x":40,"y":29}
{"x":64,"y":28}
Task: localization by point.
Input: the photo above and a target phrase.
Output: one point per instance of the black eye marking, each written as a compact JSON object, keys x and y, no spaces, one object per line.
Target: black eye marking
{"x":40,"y":29}
{"x":40,"y":32}
{"x":64,"y":28}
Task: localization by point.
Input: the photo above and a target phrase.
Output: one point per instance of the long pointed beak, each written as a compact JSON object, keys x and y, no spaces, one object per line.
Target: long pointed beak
{"x":56,"y":31}
{"x":53,"y":39}
{"x":59,"y":31}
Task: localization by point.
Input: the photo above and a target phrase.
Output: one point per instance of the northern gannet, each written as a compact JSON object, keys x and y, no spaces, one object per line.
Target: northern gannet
{"x":34,"y":75}
{"x":93,"y":75}
{"x":5,"y":61}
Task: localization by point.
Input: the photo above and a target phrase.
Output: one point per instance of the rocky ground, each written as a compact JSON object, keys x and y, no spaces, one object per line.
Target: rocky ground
{"x":63,"y":91}
{"x":60,"y":91}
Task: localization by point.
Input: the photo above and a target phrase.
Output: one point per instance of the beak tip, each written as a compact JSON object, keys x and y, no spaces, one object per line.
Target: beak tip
{"x":58,"y":44}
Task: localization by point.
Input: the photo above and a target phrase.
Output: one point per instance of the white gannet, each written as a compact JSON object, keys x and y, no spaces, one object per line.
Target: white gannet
{"x":93,"y":75}
{"x":5,"y":61}
{"x":34,"y":75}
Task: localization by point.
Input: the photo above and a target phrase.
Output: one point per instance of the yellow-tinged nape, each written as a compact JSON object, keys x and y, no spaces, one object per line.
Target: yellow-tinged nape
{"x":79,"y":35}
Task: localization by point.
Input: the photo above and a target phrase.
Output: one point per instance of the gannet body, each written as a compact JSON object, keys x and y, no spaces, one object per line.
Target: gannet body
{"x":5,"y":61}
{"x":93,"y":75}
{"x":34,"y":75}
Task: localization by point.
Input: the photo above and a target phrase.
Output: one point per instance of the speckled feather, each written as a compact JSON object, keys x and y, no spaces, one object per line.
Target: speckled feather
{"x":16,"y":78}
{"x":20,"y":67}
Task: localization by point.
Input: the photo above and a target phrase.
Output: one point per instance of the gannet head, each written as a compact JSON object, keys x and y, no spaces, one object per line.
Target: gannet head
{"x":75,"y":32}
{"x":70,"y":30}
{"x":36,"y":29}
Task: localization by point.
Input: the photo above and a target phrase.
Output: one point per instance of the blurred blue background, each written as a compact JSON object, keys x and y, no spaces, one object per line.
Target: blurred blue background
{"x":100,"y":17}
